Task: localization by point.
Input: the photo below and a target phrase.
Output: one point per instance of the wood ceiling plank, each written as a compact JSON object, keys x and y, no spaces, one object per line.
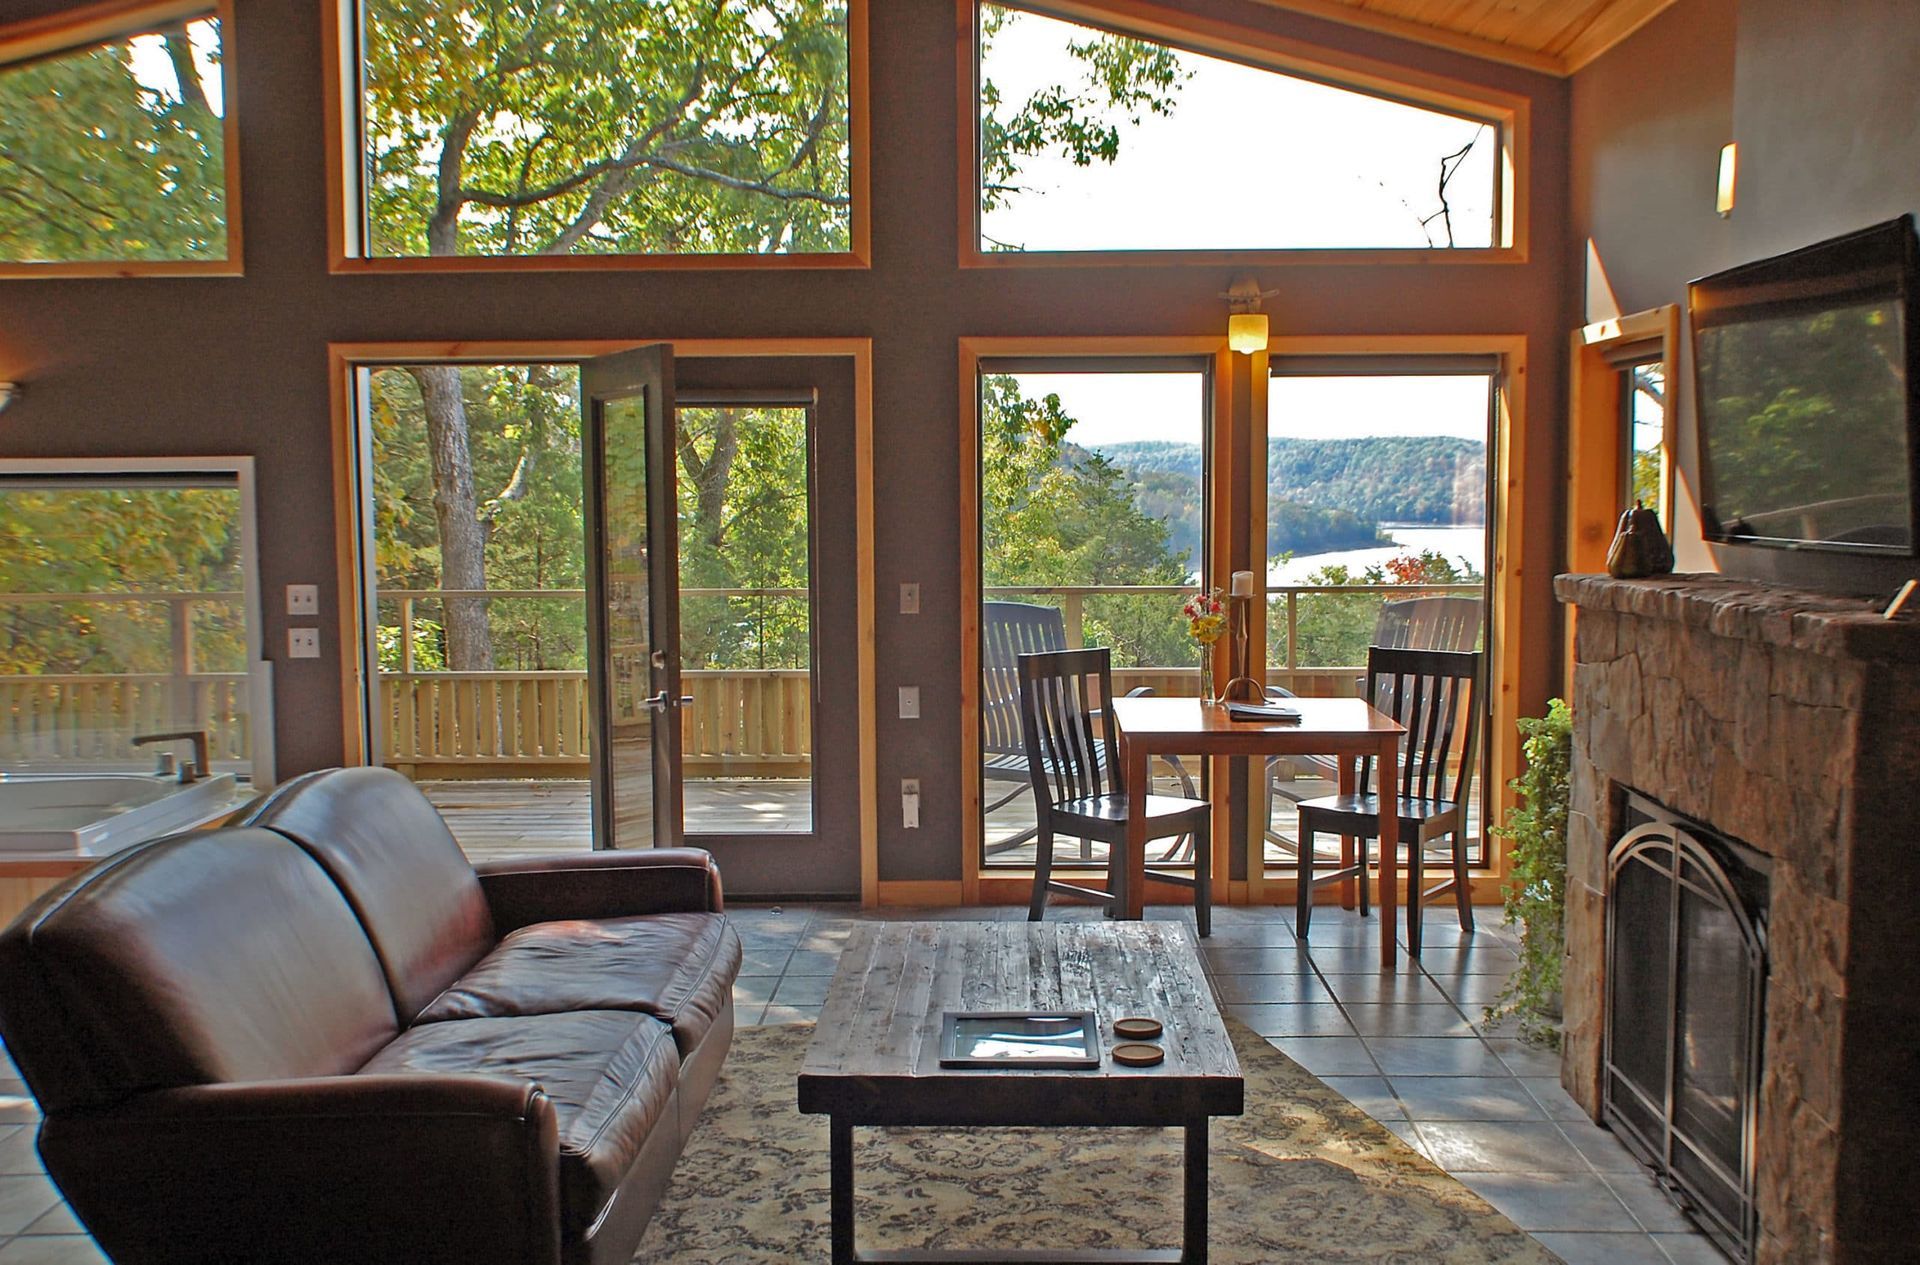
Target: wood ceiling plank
{"x":1555,"y":36}
{"x":1346,"y":12}
{"x":1578,"y":18}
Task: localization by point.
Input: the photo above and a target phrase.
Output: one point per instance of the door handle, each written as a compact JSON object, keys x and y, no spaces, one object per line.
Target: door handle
{"x":664,"y":701}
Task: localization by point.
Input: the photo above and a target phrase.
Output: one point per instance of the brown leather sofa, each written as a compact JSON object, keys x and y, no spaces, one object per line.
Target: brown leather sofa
{"x":321,"y":1035}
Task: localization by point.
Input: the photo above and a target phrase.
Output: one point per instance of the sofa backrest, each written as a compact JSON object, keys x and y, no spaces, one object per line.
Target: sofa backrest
{"x":222,"y":956}
{"x":398,"y":866}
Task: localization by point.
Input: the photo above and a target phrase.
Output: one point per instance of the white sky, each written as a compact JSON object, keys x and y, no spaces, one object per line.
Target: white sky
{"x":1248,"y":158}
{"x":1117,"y":408}
{"x":153,"y":68}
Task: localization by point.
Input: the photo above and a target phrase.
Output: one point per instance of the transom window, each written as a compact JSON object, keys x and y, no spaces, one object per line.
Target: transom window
{"x":113,"y":143}
{"x":1093,"y":140}
{"x":604,"y":127}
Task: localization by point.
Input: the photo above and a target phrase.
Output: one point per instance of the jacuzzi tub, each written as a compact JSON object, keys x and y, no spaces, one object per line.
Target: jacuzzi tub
{"x":96,"y":814}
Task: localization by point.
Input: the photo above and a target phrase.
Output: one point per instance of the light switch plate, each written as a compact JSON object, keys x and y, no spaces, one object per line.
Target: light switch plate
{"x":910,"y":803}
{"x":909,"y":702}
{"x":303,"y":599}
{"x":909,"y":599}
{"x":303,"y":643}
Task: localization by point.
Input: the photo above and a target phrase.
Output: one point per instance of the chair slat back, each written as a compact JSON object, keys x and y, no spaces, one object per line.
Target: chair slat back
{"x":1009,"y":630}
{"x":1429,"y":623}
{"x":1436,"y":695}
{"x":1061,"y":692}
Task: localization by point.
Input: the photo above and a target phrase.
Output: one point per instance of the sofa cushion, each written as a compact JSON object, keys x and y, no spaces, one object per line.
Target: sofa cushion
{"x":609,"y":1073}
{"x":221,"y":956}
{"x":676,"y":967}
{"x":400,"y":869}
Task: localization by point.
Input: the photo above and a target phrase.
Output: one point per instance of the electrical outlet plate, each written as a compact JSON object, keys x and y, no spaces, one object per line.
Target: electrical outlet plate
{"x":303,"y":643}
{"x":909,"y":702}
{"x":303,"y":599}
{"x":910,"y":599}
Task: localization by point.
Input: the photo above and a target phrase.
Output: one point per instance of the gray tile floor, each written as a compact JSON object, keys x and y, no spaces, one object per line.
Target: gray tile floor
{"x":1409,"y":1048}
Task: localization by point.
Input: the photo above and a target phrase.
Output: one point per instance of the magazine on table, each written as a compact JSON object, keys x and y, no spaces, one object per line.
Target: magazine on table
{"x":1270,"y":713}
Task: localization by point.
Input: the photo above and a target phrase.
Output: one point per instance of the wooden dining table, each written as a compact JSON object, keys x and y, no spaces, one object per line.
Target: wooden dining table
{"x":1348,"y":729}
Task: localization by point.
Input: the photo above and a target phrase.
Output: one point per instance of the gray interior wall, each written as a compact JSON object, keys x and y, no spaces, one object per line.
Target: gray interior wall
{"x":238,"y":365}
{"x":1824,"y":102}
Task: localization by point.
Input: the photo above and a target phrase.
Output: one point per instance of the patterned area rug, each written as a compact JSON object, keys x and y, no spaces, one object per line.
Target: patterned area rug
{"x":1303,"y":1176}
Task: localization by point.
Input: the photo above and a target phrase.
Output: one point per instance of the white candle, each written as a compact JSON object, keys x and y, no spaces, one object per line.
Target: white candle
{"x":1243,"y":584}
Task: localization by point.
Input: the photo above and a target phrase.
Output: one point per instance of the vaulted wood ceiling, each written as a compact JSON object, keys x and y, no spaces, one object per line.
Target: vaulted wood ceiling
{"x":1556,"y":36}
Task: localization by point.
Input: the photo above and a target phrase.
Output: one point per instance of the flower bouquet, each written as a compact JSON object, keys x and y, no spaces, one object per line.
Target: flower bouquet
{"x":1206,"y":619}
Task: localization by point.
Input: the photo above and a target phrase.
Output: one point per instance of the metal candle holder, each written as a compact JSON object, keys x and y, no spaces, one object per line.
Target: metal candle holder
{"x":1241,"y":687}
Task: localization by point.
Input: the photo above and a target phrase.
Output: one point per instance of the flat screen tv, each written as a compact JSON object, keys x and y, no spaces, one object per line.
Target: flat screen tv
{"x":1805,"y":370}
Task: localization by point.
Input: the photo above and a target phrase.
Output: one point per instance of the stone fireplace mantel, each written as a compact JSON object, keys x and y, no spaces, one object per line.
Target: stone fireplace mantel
{"x":1791,"y":722}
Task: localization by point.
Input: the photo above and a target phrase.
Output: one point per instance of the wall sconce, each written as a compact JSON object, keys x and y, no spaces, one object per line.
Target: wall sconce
{"x":1729,"y":160}
{"x":1246,"y":324}
{"x":9,"y":392}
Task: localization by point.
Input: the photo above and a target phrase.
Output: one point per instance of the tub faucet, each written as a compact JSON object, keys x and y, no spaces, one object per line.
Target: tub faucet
{"x":194,"y":769}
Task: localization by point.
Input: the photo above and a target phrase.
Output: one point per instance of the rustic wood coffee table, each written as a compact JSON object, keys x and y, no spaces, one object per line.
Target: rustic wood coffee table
{"x":875,"y":1056}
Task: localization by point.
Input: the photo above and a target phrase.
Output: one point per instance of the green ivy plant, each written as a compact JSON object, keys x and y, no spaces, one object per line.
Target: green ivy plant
{"x":1536,"y":895}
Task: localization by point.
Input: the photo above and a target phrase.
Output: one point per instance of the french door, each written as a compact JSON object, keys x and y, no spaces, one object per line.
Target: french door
{"x":632,"y":582}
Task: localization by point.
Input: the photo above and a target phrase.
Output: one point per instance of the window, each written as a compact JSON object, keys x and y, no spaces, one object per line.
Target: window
{"x":1378,"y":533}
{"x":115,"y":145}
{"x":605,"y":128}
{"x":1093,"y":525}
{"x":1096,"y":141}
{"x":1643,"y":396}
{"x":129,"y":609}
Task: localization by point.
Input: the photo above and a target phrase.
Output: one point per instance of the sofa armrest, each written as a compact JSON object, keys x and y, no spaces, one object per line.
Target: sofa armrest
{"x":401,"y":1167}
{"x":587,"y":885}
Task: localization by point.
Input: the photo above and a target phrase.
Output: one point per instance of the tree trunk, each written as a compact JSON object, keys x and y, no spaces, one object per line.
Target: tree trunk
{"x":710,"y":474}
{"x":456,"y":511}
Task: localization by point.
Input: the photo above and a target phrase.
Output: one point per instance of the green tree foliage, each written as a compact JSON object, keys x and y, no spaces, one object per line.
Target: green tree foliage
{"x":744,"y":525}
{"x":98,"y":162}
{"x":118,"y":540}
{"x":1336,"y":628}
{"x":1385,"y":479}
{"x":524,"y":445}
{"x":607,"y":126}
{"x":1536,"y":889}
{"x":1056,"y":514}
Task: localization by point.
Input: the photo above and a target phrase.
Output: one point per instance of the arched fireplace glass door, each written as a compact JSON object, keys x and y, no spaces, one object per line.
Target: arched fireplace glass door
{"x":1686,"y":971}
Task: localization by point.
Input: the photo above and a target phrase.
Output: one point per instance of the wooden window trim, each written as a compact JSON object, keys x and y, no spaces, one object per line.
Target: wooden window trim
{"x":1509,"y":113}
{"x":1594,"y":448}
{"x":1240,"y":425}
{"x":345,"y":195}
{"x":105,"y":23}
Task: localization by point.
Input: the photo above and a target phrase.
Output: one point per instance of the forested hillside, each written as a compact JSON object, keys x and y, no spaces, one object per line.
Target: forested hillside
{"x":1323,"y":494}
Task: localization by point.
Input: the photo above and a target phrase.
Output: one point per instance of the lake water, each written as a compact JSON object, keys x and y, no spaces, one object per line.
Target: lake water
{"x":1452,"y":543}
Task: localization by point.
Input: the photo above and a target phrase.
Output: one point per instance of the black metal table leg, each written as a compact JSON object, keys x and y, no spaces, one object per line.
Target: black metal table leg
{"x":840,"y":1188}
{"x":1194,"y":1239}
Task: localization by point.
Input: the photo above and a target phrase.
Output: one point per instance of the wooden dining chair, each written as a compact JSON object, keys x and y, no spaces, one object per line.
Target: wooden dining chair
{"x":1009,"y":630}
{"x":1077,"y":789}
{"x":1435,"y":694}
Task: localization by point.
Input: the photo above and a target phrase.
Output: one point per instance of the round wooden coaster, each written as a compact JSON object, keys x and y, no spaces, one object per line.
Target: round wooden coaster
{"x":1134,"y":1054}
{"x":1136,"y":1029}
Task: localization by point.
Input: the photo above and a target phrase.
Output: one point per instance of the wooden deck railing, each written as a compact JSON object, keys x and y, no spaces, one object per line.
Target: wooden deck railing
{"x":742,"y":722}
{"x":90,"y":718}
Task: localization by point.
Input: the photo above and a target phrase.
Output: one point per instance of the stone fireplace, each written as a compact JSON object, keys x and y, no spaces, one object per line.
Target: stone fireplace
{"x":1790,"y":723}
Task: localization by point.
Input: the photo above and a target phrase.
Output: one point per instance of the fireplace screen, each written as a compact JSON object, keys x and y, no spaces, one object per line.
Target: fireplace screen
{"x":1686,"y":971}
